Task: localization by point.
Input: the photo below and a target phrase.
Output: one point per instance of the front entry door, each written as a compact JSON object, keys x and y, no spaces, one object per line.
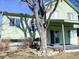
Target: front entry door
{"x":54,"y":36}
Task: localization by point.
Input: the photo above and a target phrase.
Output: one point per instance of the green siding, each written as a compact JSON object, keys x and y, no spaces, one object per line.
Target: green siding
{"x":67,"y":38}
{"x":48,"y":37}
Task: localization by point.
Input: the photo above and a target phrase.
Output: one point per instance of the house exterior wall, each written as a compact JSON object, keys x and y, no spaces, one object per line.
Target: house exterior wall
{"x":11,"y":32}
{"x":62,"y":12}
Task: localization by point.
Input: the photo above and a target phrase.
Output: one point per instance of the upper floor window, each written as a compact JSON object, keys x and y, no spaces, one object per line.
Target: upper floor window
{"x":70,"y":16}
{"x":14,"y":22}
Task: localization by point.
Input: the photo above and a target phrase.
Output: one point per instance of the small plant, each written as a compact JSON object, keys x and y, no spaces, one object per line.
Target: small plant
{"x":27,"y":42}
{"x":4,"y":44}
{"x":36,"y":43}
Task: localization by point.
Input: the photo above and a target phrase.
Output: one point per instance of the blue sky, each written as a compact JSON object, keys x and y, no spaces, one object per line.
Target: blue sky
{"x":14,"y":6}
{"x":75,"y":3}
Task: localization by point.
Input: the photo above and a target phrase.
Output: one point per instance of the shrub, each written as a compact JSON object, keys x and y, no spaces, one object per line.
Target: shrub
{"x":27,"y":42}
{"x":4,"y":44}
{"x":36,"y":43}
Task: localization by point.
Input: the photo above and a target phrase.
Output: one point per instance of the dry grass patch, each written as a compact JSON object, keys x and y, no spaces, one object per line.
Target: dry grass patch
{"x":26,"y":54}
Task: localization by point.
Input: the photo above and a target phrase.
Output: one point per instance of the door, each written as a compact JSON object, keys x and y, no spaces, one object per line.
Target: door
{"x":54,"y":37}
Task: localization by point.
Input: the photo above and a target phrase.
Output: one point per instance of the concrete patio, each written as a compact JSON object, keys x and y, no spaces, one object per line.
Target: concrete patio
{"x":68,"y":48}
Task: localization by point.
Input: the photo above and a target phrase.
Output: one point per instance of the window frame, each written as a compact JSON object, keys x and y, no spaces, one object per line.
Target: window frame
{"x":15,"y":22}
{"x":12,"y":22}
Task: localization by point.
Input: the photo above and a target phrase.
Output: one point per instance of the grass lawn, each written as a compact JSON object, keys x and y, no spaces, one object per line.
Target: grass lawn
{"x":25,"y":54}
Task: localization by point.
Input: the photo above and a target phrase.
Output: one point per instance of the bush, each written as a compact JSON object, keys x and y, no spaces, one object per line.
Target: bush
{"x":4,"y":44}
{"x":27,"y":42}
{"x":36,"y":43}
{"x":31,"y":43}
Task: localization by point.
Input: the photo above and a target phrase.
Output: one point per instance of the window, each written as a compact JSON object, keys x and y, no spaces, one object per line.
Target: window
{"x":69,"y":33}
{"x":73,"y":33}
{"x":1,"y":16}
{"x":78,"y":32}
{"x":14,"y":22}
{"x":17,"y":22}
{"x":70,"y":16}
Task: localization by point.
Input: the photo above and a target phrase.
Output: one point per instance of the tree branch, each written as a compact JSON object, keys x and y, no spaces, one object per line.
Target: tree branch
{"x":28,"y":27}
{"x":48,"y":20}
{"x":22,"y":23}
{"x":49,"y":5}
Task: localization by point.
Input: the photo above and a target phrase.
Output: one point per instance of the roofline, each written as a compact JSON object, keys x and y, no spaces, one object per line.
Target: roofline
{"x":71,"y":5}
{"x":65,"y":21}
{"x":16,"y":14}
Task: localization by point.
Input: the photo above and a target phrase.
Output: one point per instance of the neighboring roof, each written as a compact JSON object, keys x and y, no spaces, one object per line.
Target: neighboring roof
{"x":74,"y":4}
{"x":14,"y":6}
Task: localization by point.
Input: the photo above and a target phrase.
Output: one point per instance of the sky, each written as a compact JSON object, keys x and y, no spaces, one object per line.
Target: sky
{"x":14,"y":6}
{"x":75,"y":3}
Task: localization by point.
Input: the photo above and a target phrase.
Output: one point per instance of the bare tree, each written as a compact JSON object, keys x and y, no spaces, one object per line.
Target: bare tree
{"x":40,"y":8}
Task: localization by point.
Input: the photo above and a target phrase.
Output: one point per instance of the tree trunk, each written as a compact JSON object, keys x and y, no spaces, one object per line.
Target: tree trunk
{"x":43,"y":40}
{"x":41,"y":30}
